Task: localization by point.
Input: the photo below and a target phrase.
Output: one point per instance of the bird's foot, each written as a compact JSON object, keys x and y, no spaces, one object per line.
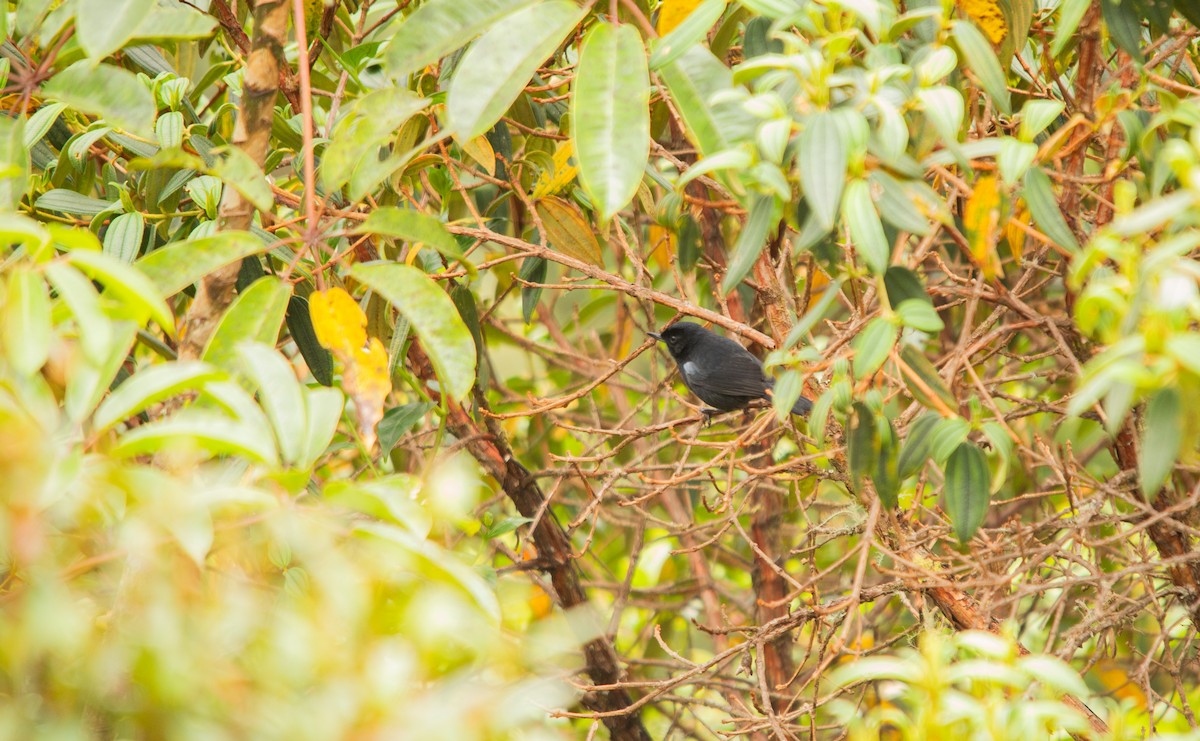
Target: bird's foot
{"x":708,"y":413}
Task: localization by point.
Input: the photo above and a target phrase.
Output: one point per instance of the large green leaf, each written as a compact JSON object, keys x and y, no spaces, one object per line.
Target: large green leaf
{"x":981,"y":59}
{"x":691,"y":31}
{"x":751,"y":240}
{"x":15,"y":158}
{"x":499,"y":64}
{"x":444,"y":337}
{"x":27,"y":325}
{"x":178,"y":265}
{"x":872,"y":346}
{"x":151,"y":385}
{"x":611,"y":116}
{"x":196,"y":429}
{"x":1162,"y":440}
{"x":693,"y":80}
{"x":81,"y":297}
{"x":967,"y":492}
{"x":103,"y":26}
{"x":412,"y":226}
{"x":256,"y":315}
{"x":127,"y":283}
{"x":823,"y":159}
{"x":918,"y":444}
{"x":1043,"y":207}
{"x":281,"y":396}
{"x":865,"y":227}
{"x":114,"y":94}
{"x":438,"y":27}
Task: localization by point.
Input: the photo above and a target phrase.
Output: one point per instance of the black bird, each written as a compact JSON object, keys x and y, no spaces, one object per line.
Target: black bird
{"x":718,"y":370}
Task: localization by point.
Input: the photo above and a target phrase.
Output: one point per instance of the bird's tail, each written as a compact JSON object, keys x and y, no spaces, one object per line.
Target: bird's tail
{"x":802,"y":406}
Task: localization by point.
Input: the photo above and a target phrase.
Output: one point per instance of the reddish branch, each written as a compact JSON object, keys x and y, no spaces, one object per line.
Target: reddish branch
{"x":286,"y":81}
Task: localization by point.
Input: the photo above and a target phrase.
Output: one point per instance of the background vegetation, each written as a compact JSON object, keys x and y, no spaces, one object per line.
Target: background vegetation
{"x":327,"y":408}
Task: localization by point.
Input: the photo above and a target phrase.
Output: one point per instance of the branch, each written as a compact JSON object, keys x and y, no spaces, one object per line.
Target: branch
{"x":252,"y":134}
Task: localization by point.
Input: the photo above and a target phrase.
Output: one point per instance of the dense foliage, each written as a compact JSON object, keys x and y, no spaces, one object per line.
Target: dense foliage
{"x":327,"y":408}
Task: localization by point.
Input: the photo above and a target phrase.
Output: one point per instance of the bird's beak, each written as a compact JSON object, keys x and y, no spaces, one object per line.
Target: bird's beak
{"x":655,"y":335}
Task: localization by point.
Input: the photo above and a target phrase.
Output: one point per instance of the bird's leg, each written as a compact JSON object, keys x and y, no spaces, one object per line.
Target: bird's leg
{"x":708,"y":413}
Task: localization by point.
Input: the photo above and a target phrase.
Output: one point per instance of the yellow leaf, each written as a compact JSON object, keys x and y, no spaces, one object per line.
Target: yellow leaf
{"x":365,"y":379}
{"x":988,"y":16}
{"x":480,"y":150}
{"x":338,"y":321}
{"x":1015,"y":234}
{"x":981,"y":219}
{"x":568,"y":231}
{"x":549,"y":183}
{"x":662,"y":245}
{"x":672,"y":13}
{"x":340,"y":325}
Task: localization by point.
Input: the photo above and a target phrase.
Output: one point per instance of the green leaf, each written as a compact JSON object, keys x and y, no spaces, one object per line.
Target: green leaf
{"x":693,"y":80}
{"x":113,"y":94}
{"x":91,"y":380}
{"x":751,"y":240}
{"x":1043,"y":207}
{"x":27,"y":325}
{"x":919,"y":315}
{"x":299,"y":322}
{"x":280,"y":394}
{"x":149,"y":386}
{"x":496,"y":68}
{"x":885,"y":475}
{"x":256,"y":315}
{"x":196,"y":429}
{"x":786,"y":393}
{"x":610,"y":114}
{"x":872,"y":346}
{"x":823,"y":160}
{"x":439,"y":27}
{"x":444,"y":337}
{"x":40,"y":122}
{"x":918,"y":444}
{"x":533,"y":269}
{"x":967,"y":494}
{"x":81,"y":297}
{"x":390,"y":499}
{"x":397,"y":421}
{"x":373,"y":121}
{"x":15,"y":158}
{"x":170,"y":24}
{"x":981,"y":59}
{"x":946,"y":436}
{"x":1068,"y":23}
{"x":239,"y":170}
{"x":412,"y":226}
{"x":1124,"y":24}
{"x":865,"y":227}
{"x":102,"y":26}
{"x":127,"y":283}
{"x":178,"y":265}
{"x":1185,"y":348}
{"x":862,"y":442}
{"x":1162,"y":440}
{"x":70,"y":202}
{"x":929,"y":378}
{"x":123,"y":238}
{"x":687,"y":34}
{"x":325,"y":407}
{"x":903,"y":284}
{"x":897,"y":205}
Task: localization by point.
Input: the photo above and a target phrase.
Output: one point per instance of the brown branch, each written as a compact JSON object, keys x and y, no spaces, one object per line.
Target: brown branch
{"x":286,"y":82}
{"x":491,"y":449}
{"x":251,"y":134}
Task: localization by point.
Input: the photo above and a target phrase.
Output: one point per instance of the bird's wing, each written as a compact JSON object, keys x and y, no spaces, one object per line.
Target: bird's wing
{"x":728,"y":374}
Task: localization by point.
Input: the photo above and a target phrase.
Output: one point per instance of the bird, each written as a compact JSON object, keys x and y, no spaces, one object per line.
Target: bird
{"x":722,"y":373}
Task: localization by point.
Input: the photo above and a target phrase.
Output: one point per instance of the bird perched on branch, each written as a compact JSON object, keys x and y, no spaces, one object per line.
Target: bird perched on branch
{"x":722,"y":373}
